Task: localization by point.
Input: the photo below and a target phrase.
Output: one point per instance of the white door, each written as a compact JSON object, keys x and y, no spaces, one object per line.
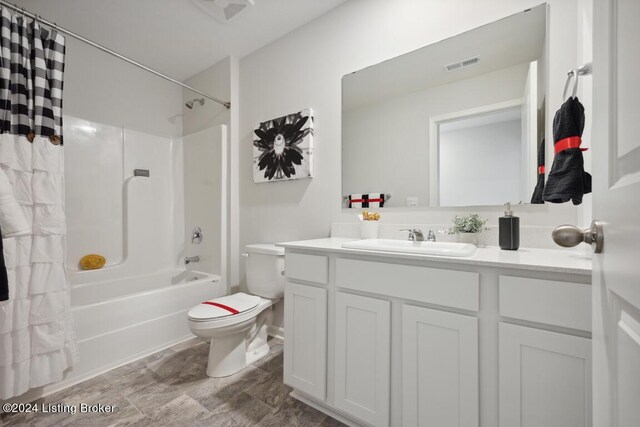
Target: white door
{"x":363,"y":349}
{"x":545,"y":378}
{"x":529,"y":128}
{"x":305,"y":330}
{"x":439,"y":368}
{"x":616,"y":202}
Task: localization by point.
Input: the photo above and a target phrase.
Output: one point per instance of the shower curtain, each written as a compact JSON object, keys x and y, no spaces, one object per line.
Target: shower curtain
{"x":37,"y":340}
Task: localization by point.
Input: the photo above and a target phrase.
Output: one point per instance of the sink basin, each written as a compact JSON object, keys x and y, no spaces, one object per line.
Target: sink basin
{"x":409,"y":247}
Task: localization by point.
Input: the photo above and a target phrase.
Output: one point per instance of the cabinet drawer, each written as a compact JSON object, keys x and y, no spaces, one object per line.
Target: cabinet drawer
{"x":309,"y":268}
{"x":431,"y":285}
{"x":552,"y":302}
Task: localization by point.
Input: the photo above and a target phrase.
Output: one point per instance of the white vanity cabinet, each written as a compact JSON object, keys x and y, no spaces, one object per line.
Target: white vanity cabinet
{"x":545,"y":376}
{"x":392,"y":340}
{"x":439,"y":368}
{"x":305,"y":366}
{"x":305,"y":319}
{"x":363,"y":357}
{"x":439,"y":350}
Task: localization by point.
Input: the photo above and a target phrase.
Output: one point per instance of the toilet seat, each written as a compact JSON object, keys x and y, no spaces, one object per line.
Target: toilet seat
{"x":209,"y":326}
{"x":224,"y":307}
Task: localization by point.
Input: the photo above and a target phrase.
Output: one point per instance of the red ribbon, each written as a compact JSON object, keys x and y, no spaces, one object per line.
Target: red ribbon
{"x":540,"y":170}
{"x":225,"y":307}
{"x":566,"y":143}
{"x":363,"y":200}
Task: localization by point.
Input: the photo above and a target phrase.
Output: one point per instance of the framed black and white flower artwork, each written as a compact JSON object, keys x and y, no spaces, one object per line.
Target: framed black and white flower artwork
{"x":283,"y":148}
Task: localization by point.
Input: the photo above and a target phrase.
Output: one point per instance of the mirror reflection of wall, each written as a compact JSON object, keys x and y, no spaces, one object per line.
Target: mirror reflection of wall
{"x":389,"y":111}
{"x":480,"y":159}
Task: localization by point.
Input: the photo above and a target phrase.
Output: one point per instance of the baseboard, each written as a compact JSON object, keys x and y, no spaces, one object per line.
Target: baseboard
{"x":276,"y":332}
{"x":324,"y":409}
{"x":38,"y":392}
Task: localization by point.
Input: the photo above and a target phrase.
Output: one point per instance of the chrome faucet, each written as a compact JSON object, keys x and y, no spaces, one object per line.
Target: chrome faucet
{"x":191,"y":259}
{"x":431,"y":236}
{"x":415,"y":234}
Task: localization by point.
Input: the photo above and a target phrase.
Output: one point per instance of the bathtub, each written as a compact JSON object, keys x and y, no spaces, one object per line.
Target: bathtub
{"x":123,"y":319}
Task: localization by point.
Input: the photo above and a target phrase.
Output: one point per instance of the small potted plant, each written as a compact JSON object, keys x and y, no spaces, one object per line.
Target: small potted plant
{"x":467,"y":228}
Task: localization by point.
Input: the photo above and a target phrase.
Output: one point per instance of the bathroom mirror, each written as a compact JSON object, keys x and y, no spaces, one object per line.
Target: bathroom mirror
{"x":455,"y":123}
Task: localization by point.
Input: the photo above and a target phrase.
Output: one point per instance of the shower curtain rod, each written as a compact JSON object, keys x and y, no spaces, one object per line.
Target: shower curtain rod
{"x":22,"y":11}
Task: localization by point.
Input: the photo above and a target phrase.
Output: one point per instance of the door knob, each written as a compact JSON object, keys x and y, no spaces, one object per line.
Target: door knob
{"x":569,"y":236}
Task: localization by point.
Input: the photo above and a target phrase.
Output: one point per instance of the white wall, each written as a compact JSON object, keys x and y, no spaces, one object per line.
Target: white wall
{"x":215,"y":81}
{"x":207,"y":159}
{"x":109,"y":95}
{"x":205,"y":187}
{"x":233,"y":195}
{"x":585,"y":94}
{"x":110,"y":212}
{"x":385,"y":146}
{"x":104,"y":89}
{"x":304,"y":69}
{"x":94,"y":198}
{"x":481,"y":165}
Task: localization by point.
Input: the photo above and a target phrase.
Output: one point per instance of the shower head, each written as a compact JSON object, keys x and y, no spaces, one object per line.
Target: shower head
{"x":190,"y":103}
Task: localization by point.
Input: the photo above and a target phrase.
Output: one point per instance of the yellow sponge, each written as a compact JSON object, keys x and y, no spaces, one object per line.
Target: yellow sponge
{"x":92,"y":262}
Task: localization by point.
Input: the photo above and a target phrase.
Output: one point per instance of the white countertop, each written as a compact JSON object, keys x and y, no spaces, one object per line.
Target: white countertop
{"x":551,"y":260}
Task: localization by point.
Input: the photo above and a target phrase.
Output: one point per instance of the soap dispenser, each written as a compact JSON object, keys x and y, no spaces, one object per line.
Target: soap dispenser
{"x":509,"y":230}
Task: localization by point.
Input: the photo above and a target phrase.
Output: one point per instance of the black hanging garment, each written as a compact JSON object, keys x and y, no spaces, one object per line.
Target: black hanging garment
{"x":4,"y":281}
{"x":567,"y":179}
{"x":536,"y":198}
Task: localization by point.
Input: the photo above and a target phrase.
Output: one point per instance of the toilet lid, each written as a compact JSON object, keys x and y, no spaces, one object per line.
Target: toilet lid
{"x":265,"y":249}
{"x":224,"y":306}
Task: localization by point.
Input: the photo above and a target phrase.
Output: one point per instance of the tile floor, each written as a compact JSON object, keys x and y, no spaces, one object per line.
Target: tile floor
{"x":171,"y":388}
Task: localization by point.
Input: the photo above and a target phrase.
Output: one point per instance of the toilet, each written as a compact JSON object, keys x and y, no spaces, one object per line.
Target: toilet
{"x":237,"y":324}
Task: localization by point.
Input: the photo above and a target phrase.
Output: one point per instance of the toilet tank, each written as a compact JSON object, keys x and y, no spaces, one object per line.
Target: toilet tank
{"x":265,"y":270}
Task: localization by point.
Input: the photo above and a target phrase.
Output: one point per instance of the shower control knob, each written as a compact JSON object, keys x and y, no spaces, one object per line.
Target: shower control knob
{"x":569,"y":236}
{"x":196,"y":235}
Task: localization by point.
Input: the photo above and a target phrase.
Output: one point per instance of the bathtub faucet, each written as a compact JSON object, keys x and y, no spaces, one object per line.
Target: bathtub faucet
{"x":191,"y":259}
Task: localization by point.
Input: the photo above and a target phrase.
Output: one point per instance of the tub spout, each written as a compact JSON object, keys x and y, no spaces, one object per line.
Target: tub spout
{"x":191,"y":259}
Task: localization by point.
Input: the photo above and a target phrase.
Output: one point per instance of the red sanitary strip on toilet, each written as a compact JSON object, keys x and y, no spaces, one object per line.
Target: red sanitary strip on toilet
{"x":225,"y":307}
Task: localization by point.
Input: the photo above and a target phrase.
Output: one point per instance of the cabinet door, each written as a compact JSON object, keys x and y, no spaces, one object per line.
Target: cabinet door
{"x":305,"y":345}
{"x":439,"y":368}
{"x":545,"y":378}
{"x":363,"y":357}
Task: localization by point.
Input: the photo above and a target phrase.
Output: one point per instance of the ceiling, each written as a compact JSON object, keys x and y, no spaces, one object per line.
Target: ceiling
{"x":175,"y":37}
{"x":513,"y":40}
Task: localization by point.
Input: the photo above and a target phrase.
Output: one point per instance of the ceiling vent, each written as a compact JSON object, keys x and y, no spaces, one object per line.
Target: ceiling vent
{"x":222,"y":10}
{"x":461,"y":64}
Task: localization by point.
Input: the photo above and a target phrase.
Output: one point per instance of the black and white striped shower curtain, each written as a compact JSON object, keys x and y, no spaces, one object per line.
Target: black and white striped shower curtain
{"x":31,"y":78}
{"x":37,"y":340}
